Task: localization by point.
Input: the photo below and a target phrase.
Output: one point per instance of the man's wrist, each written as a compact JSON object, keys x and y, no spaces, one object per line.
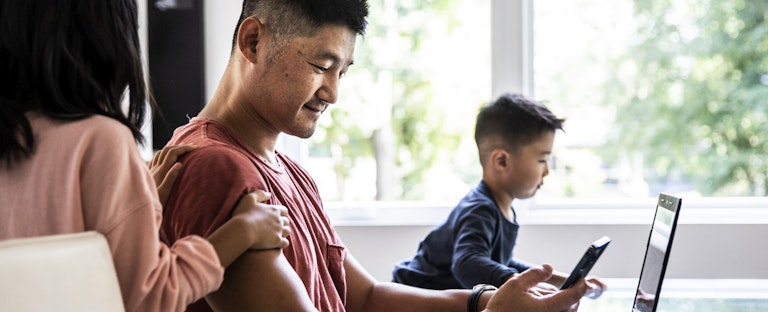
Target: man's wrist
{"x":474,"y":297}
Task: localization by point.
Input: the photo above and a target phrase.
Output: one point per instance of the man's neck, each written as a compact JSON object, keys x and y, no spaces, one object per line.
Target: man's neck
{"x":260,"y":141}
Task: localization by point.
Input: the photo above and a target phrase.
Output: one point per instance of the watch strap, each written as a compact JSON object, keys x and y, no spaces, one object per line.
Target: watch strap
{"x":474,"y":297}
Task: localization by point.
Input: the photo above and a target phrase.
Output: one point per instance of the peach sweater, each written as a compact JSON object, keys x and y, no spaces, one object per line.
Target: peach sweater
{"x":88,"y":175}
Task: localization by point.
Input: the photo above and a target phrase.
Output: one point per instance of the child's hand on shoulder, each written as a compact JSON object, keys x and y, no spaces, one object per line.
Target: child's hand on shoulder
{"x":269,"y":224}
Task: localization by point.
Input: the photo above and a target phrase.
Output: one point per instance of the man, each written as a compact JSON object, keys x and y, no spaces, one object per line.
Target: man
{"x":284,"y":70}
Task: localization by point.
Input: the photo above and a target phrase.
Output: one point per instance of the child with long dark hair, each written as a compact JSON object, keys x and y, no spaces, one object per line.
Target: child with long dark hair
{"x":69,"y":160}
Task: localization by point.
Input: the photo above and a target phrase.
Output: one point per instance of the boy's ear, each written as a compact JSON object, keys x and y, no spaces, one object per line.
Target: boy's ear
{"x":249,"y":34}
{"x":500,"y":159}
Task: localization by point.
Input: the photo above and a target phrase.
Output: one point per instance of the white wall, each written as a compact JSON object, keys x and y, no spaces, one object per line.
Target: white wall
{"x":220,"y":20}
{"x":146,"y":149}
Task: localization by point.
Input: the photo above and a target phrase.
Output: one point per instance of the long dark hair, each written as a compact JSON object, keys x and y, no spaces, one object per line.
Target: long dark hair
{"x":68,"y":59}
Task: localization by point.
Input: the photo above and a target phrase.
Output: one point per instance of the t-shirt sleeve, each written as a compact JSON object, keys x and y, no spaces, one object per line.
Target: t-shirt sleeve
{"x":472,"y":262}
{"x":120,"y":201}
{"x":211,"y":182}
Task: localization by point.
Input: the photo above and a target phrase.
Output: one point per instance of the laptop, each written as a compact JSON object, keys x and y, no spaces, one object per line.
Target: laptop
{"x":657,"y":253}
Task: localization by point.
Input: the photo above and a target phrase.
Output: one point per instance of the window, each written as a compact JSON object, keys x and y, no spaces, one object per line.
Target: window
{"x":399,"y":129}
{"x":667,"y":95}
{"x":659,"y":96}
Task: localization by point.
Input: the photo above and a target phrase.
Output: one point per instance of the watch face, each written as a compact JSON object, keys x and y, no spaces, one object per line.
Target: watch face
{"x":484,"y":287}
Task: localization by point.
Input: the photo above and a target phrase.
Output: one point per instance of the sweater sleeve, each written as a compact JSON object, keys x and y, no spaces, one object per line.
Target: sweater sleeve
{"x":120,"y":201}
{"x":472,"y":255}
{"x":519,"y":265}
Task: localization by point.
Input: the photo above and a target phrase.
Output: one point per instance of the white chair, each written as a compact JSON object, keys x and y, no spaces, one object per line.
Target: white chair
{"x":68,"y":272}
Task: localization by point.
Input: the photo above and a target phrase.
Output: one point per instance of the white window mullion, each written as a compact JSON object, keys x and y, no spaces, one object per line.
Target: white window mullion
{"x":511,"y":46}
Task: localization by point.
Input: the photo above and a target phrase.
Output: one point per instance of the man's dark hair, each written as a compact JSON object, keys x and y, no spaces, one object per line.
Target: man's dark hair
{"x":511,"y":122}
{"x":289,"y":18}
{"x":68,"y":59}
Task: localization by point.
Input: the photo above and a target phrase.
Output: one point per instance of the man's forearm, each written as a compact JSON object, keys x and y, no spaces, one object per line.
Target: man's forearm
{"x":396,"y":297}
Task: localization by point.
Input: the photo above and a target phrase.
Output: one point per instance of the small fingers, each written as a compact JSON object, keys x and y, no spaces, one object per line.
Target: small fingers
{"x":594,"y":282}
{"x":284,"y":243}
{"x":170,"y":177}
{"x":158,"y":157}
{"x":165,"y":159}
{"x":170,"y":153}
{"x":285,"y":222}
{"x":261,"y":195}
{"x":286,"y":231}
{"x":283,"y":211}
{"x":167,"y":182}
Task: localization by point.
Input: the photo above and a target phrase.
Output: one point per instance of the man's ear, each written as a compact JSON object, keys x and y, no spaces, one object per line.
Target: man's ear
{"x":249,"y":34}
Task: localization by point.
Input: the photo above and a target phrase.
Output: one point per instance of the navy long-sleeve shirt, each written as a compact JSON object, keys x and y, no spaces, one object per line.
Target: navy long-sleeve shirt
{"x":473,"y":246}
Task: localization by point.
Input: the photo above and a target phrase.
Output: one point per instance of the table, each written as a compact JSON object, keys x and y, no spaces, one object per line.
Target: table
{"x":682,"y":295}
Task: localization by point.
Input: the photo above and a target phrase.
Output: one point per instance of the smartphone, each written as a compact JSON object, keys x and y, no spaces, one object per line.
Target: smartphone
{"x":587,"y":261}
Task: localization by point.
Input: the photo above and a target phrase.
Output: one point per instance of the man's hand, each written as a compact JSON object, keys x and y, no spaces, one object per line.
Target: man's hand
{"x":165,"y":168}
{"x":543,"y":289}
{"x":519,"y":294}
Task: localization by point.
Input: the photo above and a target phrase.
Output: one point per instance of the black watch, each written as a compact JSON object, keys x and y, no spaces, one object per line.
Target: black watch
{"x":474,"y":298}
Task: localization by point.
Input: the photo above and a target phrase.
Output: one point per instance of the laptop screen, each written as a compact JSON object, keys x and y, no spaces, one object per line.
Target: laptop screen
{"x":657,"y":253}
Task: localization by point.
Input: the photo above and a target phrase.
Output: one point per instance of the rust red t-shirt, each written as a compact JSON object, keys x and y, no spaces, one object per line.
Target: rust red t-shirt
{"x":220,"y":171}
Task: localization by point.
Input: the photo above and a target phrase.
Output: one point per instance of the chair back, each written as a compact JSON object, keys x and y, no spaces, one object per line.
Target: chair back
{"x":66,"y":272}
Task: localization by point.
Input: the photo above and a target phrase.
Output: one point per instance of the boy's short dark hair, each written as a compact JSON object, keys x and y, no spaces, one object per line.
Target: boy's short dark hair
{"x":511,"y":122}
{"x":288,"y":18}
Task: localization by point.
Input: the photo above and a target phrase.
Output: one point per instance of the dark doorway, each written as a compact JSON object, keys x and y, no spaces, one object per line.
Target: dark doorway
{"x":176,"y":63}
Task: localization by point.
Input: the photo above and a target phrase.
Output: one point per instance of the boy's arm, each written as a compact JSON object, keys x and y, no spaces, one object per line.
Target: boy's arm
{"x":472,"y":262}
{"x":261,"y":281}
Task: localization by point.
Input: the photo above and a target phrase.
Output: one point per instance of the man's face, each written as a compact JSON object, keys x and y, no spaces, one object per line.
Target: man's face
{"x":302,"y":79}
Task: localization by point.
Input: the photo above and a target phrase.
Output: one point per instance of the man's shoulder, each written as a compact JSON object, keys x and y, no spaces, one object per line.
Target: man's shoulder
{"x":195,"y":132}
{"x":218,"y":158}
{"x":211,"y":147}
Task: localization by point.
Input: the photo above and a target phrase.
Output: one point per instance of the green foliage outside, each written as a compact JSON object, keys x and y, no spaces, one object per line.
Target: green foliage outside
{"x":698,"y":101}
{"x":389,"y":109}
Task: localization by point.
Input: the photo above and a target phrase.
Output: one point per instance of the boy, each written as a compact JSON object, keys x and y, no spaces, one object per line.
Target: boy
{"x":514,"y":137}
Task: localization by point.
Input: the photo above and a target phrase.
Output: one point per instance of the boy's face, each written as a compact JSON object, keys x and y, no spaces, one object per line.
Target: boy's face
{"x":530,"y":166}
